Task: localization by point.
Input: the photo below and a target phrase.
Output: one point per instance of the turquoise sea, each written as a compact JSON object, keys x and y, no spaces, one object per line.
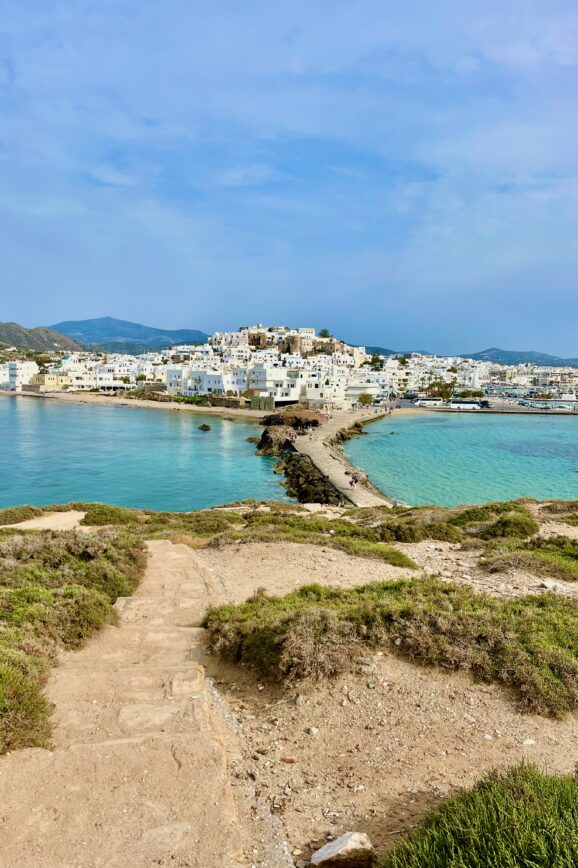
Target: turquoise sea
{"x":56,"y":453}
{"x":456,"y":458}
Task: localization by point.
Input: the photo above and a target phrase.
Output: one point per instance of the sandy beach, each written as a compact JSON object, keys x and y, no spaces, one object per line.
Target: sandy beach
{"x":114,"y":401}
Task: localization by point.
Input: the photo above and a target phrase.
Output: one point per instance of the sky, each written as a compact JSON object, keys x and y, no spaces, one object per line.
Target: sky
{"x":404,"y":174}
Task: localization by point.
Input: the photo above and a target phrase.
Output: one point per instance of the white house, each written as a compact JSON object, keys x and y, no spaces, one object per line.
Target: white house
{"x":20,"y":374}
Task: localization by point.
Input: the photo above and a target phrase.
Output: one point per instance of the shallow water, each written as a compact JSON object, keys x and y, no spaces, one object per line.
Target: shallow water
{"x":56,"y":453}
{"x":456,"y":458}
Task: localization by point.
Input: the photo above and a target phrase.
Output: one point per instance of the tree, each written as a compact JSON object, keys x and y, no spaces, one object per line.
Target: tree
{"x":441,"y":389}
{"x":324,"y":333}
{"x":403,"y":361}
{"x":365,"y":399}
{"x":471,"y":393}
{"x":376,"y":362}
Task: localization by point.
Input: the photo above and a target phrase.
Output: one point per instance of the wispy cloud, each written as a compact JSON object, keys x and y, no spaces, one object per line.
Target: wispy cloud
{"x":416,"y":158}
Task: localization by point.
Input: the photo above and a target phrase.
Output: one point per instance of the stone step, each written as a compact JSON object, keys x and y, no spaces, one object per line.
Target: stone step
{"x":140,"y":802}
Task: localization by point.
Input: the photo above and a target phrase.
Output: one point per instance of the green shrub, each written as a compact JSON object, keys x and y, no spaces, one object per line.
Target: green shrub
{"x":528,"y":644}
{"x":512,"y":524}
{"x":16,"y":514}
{"x":56,"y":590}
{"x":518,"y":819}
{"x":98,"y":514}
{"x":554,"y":557}
{"x":24,"y":710}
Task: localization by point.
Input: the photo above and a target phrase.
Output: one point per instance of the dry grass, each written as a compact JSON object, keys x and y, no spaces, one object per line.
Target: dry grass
{"x":530,"y":644}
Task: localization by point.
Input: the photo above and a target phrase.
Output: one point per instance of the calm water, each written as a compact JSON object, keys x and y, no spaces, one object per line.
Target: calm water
{"x":55,"y":453}
{"x":451,"y":459}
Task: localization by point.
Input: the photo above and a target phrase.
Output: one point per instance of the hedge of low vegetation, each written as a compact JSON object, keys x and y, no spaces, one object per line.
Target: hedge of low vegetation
{"x":552,"y":557}
{"x":521,"y":818}
{"x":56,"y":590}
{"x":528,"y":644}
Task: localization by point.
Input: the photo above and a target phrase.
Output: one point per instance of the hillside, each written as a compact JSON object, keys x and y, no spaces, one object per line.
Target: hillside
{"x":36,"y":340}
{"x":517,"y":357}
{"x":123,"y":336}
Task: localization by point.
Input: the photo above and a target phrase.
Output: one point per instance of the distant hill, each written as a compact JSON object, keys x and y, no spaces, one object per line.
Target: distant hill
{"x":122,"y":336}
{"x":35,"y":340}
{"x":515,"y":357}
{"x":382,"y":351}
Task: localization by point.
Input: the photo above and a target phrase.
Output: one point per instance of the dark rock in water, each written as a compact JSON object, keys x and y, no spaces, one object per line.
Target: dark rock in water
{"x":252,"y":439}
{"x":300,"y":420}
{"x":344,"y":434}
{"x":276,"y":440}
{"x":204,"y":427}
{"x":306,"y":483}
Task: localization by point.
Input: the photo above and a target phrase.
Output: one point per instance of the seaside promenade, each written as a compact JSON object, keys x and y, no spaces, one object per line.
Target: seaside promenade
{"x":333,"y":464}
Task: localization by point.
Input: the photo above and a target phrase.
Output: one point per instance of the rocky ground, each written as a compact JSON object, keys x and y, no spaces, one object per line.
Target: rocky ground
{"x":374,"y":750}
{"x":371,"y":751}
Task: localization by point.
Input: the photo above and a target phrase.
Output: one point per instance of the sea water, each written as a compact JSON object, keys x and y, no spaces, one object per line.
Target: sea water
{"x":53,"y":452}
{"x":453,"y":458}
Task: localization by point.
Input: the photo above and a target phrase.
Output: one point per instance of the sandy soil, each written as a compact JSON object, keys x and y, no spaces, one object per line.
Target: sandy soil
{"x":282,"y":567}
{"x":53,"y":521}
{"x":375,"y":749}
{"x":150,"y":755}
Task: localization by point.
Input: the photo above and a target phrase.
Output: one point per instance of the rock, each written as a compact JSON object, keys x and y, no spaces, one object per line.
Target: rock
{"x":299,"y":420}
{"x":204,"y":427}
{"x":528,"y":742}
{"x":313,"y":730}
{"x":352,"y":850}
{"x":274,"y":441}
{"x":289,"y":759}
{"x":549,"y":585}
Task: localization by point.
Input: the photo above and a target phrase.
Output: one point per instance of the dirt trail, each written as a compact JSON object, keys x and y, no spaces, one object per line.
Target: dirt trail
{"x":140,"y":773}
{"x":53,"y":521}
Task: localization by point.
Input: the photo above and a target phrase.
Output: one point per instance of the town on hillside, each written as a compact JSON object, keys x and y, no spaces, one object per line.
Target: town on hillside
{"x":267,"y":366}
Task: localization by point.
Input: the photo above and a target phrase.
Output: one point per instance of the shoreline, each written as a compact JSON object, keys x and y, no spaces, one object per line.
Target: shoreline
{"x":323,"y":451}
{"x":232,"y":414}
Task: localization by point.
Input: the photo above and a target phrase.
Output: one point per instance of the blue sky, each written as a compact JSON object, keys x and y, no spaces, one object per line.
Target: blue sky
{"x":405,"y":174}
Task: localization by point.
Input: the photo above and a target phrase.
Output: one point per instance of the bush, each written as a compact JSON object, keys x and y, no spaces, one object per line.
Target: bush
{"x":56,"y":590}
{"x":555,"y":557}
{"x":527,"y":644}
{"x":512,"y":524}
{"x":16,"y":514}
{"x":508,"y":820}
{"x":99,"y":514}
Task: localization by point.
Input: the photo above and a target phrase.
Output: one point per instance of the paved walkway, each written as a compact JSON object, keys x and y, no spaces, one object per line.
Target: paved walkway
{"x":139,"y":773}
{"x":332,"y":462}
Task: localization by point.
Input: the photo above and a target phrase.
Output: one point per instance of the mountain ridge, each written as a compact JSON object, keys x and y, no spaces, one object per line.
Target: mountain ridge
{"x":521,"y":357}
{"x":40,"y":339}
{"x":118,"y":335}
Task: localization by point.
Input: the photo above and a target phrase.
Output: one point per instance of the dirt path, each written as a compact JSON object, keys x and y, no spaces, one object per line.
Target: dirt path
{"x":53,"y":521}
{"x":140,"y":774}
